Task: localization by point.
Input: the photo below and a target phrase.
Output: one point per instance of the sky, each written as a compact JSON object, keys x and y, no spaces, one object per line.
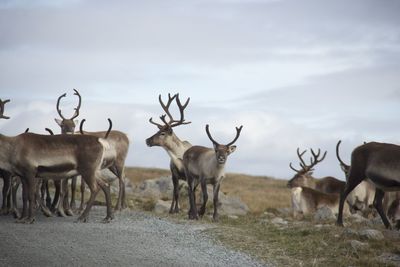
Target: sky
{"x":294,"y":73}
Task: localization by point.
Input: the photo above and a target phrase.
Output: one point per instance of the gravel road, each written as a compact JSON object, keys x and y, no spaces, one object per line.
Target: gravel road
{"x":132,"y":239}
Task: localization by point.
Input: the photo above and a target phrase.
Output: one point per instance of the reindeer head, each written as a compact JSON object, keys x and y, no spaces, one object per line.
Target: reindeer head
{"x":223,"y":151}
{"x":68,"y":125}
{"x":165,"y":135}
{"x":345,"y":168}
{"x":303,"y":176}
{"x":2,"y":104}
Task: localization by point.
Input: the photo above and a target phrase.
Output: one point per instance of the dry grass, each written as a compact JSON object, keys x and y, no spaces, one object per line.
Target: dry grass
{"x":301,"y":243}
{"x":260,"y":193}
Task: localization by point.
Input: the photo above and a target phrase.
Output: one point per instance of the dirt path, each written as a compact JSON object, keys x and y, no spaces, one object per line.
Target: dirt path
{"x":132,"y":239}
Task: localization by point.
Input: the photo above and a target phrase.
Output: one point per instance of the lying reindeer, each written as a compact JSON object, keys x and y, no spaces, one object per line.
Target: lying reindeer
{"x":303,"y":176}
{"x":31,"y":155}
{"x":307,"y":201}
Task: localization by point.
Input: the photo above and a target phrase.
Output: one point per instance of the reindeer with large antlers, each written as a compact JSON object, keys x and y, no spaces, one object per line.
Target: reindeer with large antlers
{"x":166,"y":138}
{"x":30,"y":156}
{"x":68,"y":127}
{"x":303,"y":176}
{"x":206,"y":166}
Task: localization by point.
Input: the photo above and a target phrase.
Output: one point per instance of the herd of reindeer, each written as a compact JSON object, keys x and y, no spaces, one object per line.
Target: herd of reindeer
{"x":33,"y":159}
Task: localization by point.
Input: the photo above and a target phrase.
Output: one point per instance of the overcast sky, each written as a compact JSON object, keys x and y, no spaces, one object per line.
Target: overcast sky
{"x":293,"y":73}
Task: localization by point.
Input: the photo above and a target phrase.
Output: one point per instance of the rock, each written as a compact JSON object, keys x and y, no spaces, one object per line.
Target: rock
{"x":268,"y":214}
{"x":279,"y":221}
{"x":348,"y":232}
{"x":162,"y":207}
{"x":324,"y":214}
{"x":232,"y":206}
{"x":390,"y":258}
{"x":371,"y":234}
{"x":357,"y":245}
{"x":284,"y":211}
{"x":357,"y":218}
{"x":233,"y":217}
{"x":155,"y":188}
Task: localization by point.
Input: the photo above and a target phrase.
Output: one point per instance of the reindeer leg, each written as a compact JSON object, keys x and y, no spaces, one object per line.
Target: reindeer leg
{"x":106,"y":190}
{"x":6,"y":190}
{"x":57,"y":186}
{"x":193,"y":209}
{"x":73,"y":191}
{"x":14,"y":187}
{"x":352,"y":182}
{"x":205,"y":196}
{"x":48,"y":197}
{"x":94,"y":189}
{"x":82,"y":195}
{"x":66,"y":205}
{"x":24,"y":213}
{"x":60,"y":206}
{"x":39,"y":200}
{"x":175,"y":197}
{"x":215,"y":201}
{"x":379,"y":194}
{"x":31,"y":186}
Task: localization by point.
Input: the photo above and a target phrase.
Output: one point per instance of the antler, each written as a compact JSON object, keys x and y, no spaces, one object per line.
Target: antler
{"x":171,"y":123}
{"x":58,"y":105}
{"x":238,"y":130}
{"x":2,"y":103}
{"x":76,"y":114}
{"x":338,"y":157}
{"x":107,"y":133}
{"x":314,"y":161}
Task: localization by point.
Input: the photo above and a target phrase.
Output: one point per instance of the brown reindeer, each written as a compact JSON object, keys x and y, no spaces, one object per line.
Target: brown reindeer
{"x":306,"y":200}
{"x":166,"y":138}
{"x":380,"y":163}
{"x":206,"y":166}
{"x":114,"y":160}
{"x":30,"y":156}
{"x":303,"y":176}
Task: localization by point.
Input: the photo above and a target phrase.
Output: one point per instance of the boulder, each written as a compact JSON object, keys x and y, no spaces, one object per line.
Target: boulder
{"x":371,"y":234}
{"x":162,"y":207}
{"x":324,"y":214}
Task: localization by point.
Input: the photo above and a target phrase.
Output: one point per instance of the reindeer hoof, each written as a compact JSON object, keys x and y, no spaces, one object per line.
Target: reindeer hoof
{"x":69,"y":212}
{"x":60,"y":213}
{"x":46,"y":212}
{"x":340,"y":224}
{"x":82,"y":220}
{"x":193,"y":217}
{"x":16,"y":213}
{"x":29,"y":220}
{"x":20,"y":220}
{"x":108,"y":219}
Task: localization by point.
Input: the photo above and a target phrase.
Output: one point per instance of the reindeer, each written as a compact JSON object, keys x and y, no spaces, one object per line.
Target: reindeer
{"x":31,"y":155}
{"x":166,"y":138}
{"x":362,"y":197}
{"x":303,"y":176}
{"x":206,"y":165}
{"x":307,"y":200}
{"x":380,"y":163}
{"x":68,"y":127}
{"x":10,"y":187}
{"x":114,"y":160}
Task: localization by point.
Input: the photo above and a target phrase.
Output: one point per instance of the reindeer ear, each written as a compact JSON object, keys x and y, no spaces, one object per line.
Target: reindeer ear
{"x":215,"y":146}
{"x":231,"y":149}
{"x":59,"y":122}
{"x":76,"y":122}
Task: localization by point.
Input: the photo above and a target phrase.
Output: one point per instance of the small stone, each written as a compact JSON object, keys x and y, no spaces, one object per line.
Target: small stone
{"x":357,"y":245}
{"x":371,"y":234}
{"x":279,"y":221}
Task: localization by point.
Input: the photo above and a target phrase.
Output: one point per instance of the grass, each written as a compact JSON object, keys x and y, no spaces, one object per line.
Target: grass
{"x":300,"y":243}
